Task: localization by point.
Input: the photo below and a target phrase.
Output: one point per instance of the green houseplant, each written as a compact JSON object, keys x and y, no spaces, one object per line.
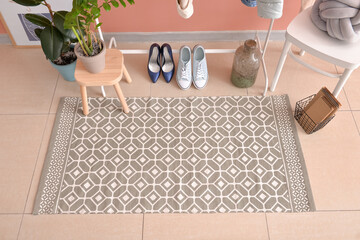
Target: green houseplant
{"x":82,"y":21}
{"x":55,"y":39}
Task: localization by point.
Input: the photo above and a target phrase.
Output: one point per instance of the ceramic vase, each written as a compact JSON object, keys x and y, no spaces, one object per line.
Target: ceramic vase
{"x":93,"y":64}
{"x":66,"y":71}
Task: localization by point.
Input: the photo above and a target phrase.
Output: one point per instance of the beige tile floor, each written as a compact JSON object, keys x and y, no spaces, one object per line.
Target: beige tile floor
{"x":30,"y":90}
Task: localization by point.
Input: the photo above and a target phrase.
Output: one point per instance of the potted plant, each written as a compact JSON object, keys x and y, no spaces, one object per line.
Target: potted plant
{"x":82,"y":21}
{"x":55,"y":39}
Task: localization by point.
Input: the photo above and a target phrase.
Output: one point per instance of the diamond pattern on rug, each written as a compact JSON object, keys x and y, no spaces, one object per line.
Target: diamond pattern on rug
{"x":193,"y":155}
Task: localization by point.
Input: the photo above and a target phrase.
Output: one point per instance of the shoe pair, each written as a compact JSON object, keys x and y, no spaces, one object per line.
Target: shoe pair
{"x":164,"y":55}
{"x":199,"y":76}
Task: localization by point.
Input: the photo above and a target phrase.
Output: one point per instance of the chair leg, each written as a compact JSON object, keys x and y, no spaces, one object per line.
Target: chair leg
{"x":342,"y":80}
{"x":280,"y":65}
{"x":84,"y":100}
{"x":121,"y":98}
{"x":127,"y":76}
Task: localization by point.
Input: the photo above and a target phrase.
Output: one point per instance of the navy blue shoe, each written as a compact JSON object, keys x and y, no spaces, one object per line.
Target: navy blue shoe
{"x":167,"y":62}
{"x":154,"y":62}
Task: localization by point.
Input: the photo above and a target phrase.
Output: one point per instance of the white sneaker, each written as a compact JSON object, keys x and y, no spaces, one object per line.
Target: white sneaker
{"x":183,"y":74}
{"x":187,"y":11}
{"x":200,"y":71}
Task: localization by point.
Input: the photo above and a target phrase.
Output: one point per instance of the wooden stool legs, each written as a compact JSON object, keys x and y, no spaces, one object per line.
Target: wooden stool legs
{"x":121,"y":98}
{"x":118,"y":92}
{"x":111,"y":75}
{"x":127,"y":76}
{"x":84,"y":100}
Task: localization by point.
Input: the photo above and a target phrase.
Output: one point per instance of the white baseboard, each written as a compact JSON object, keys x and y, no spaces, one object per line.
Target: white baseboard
{"x":192,"y":36}
{"x":278,"y":35}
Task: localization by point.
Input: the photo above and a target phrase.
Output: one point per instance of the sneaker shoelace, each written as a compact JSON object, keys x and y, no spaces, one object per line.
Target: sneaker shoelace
{"x":184,"y":75}
{"x":200,"y":72}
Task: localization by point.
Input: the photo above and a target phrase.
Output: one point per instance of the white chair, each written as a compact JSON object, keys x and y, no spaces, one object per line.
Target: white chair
{"x":304,"y":34}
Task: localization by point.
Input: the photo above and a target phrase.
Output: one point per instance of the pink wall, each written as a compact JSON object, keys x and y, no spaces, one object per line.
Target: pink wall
{"x":209,"y":15}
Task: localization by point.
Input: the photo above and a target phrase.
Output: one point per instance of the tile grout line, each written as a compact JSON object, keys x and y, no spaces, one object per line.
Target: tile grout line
{"x":4,"y":213}
{"x":23,"y":114}
{"x":37,"y":159}
{"x":330,"y":211}
{"x":32,"y":177}
{"x":355,"y":122}
{"x":267,"y":226}
{"x":52,"y":99}
{"x":18,"y":234}
{"x":143,"y":224}
{"x":352,"y":114}
{"x":347,"y":99}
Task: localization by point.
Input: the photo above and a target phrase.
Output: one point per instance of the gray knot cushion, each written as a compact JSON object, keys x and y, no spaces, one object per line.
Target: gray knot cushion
{"x":339,"y":18}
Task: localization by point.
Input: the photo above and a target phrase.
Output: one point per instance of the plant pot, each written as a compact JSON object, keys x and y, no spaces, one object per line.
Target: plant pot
{"x":66,"y":71}
{"x":93,"y":64}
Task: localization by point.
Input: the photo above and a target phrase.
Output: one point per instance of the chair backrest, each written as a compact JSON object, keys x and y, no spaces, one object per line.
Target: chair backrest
{"x":304,"y":34}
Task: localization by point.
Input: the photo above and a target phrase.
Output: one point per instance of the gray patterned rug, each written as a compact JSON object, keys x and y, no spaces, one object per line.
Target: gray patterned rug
{"x":179,"y":155}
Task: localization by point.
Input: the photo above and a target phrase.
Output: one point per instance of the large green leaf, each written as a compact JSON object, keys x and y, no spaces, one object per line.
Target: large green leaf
{"x":59,"y":19}
{"x":51,"y":42}
{"x":38,"y":20}
{"x":28,"y":2}
{"x":38,"y":32}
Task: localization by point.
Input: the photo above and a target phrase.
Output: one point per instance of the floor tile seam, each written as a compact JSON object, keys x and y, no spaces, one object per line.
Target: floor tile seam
{"x":32,"y":177}
{"x":346,"y":97}
{"x":267,"y":227}
{"x":24,"y":114}
{"x":344,"y":90}
{"x":336,"y":69}
{"x":348,"y":101}
{"x":36,"y":162}
{"x":53,"y":96}
{"x":352,"y":114}
{"x":143,"y":227}
{"x":357,"y":127}
{"x":337,"y":210}
{"x":4,"y":213}
{"x":20,"y":225}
